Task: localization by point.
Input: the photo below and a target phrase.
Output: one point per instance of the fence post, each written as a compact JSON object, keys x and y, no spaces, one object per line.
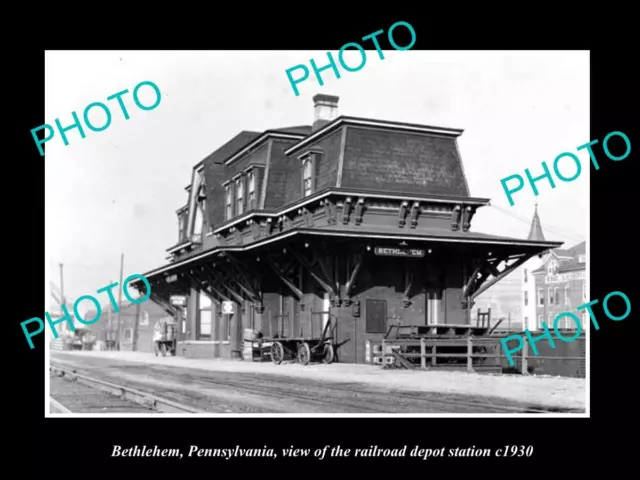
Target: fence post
{"x":469,"y":354}
{"x":525,"y":354}
{"x":423,"y":359}
{"x":384,"y":354}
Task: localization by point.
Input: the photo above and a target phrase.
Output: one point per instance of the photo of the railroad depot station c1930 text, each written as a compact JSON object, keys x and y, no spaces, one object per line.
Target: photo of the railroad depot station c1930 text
{"x":349,"y":249}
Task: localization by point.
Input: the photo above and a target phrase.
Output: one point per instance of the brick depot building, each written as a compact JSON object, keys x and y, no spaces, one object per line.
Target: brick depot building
{"x":361,"y":223}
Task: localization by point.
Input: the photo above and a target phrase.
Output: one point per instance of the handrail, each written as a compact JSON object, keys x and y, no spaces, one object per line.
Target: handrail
{"x":469,"y":341}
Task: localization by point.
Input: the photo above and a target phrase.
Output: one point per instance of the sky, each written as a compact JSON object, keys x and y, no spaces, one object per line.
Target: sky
{"x":117,"y":191}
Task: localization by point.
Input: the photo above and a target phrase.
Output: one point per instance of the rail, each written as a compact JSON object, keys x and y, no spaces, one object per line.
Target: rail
{"x":57,"y":407}
{"x":141,"y":398}
{"x":391,"y":348}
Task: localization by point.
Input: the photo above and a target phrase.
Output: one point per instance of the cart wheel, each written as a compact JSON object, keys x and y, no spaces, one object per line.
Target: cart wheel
{"x":327,"y":354}
{"x":304,"y":353}
{"x":277,"y":353}
{"x":155,"y":348}
{"x":163,"y":349}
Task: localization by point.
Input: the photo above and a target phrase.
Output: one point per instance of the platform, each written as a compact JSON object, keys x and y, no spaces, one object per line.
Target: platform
{"x":294,"y":388}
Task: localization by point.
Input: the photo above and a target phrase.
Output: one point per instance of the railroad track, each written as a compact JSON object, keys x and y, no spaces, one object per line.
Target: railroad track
{"x":147,"y":400}
{"x":374,"y":403}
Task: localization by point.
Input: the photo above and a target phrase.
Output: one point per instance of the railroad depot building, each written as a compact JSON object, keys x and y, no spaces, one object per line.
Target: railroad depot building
{"x":353,"y":222}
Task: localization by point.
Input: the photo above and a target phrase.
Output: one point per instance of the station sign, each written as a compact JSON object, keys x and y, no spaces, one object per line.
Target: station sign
{"x":228,"y":308}
{"x":399,"y":252}
{"x":178,"y":300}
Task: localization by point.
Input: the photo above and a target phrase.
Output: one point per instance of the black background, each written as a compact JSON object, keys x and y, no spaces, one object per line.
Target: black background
{"x":80,"y":448}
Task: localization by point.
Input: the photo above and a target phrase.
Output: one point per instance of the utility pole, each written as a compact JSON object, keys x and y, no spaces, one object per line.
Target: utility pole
{"x":109,"y":323}
{"x":63,"y":300}
{"x":509,"y":323}
{"x":134,"y":344}
{"x":120,"y":301}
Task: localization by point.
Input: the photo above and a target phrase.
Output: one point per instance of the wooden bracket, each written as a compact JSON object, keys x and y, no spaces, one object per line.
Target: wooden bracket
{"x":346,"y":210}
{"x":243,"y":281}
{"x":455,"y":218}
{"x":506,"y":271}
{"x":402,"y":214}
{"x":327,"y":271}
{"x":323,"y":282}
{"x":413,"y":218}
{"x":354,"y":275}
{"x":282,"y":276}
{"x":407,"y":291}
{"x":330,"y":210}
{"x":359,"y":211}
{"x":466,"y":222}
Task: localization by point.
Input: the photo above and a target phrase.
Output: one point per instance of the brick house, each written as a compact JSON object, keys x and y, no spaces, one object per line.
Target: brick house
{"x":148,"y":314}
{"x":561,"y":286}
{"x":358,"y":222}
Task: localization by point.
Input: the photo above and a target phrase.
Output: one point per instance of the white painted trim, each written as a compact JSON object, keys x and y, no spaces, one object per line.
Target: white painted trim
{"x":259,"y":140}
{"x":186,"y":244}
{"x":372,"y":123}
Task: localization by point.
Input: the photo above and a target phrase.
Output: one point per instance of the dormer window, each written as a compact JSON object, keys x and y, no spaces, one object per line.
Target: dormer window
{"x":182,"y":226}
{"x":239,"y":196}
{"x":251,"y":189}
{"x":308,"y":170}
{"x":551,"y":270}
{"x":228,"y":202}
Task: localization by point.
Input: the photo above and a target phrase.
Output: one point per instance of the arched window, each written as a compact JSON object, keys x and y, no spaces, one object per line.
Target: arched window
{"x":557,"y":292}
{"x":526,"y":298}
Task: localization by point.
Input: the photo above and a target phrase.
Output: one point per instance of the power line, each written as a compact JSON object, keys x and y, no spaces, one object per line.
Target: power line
{"x":547,"y":226}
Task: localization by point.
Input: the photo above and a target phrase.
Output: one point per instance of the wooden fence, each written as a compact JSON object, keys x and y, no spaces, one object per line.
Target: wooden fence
{"x":483,"y":353}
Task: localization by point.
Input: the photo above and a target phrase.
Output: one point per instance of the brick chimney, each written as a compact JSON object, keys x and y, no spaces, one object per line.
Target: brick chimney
{"x":325,"y":110}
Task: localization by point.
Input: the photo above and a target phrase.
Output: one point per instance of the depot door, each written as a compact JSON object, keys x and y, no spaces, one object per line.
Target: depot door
{"x":346,"y":335}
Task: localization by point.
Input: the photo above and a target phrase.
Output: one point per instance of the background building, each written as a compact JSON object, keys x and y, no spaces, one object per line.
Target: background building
{"x":561,"y":286}
{"x":528,"y":284}
{"x":148,"y":314}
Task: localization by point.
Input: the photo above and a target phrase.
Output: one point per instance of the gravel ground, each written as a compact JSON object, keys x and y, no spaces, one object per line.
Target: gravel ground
{"x":79,"y":398}
{"x":253,"y":387}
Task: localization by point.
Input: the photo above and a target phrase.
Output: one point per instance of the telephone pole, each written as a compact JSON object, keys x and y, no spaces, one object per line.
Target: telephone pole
{"x":110,"y":335}
{"x":62,"y":299}
{"x":120,"y":301}
{"x":134,"y":344}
